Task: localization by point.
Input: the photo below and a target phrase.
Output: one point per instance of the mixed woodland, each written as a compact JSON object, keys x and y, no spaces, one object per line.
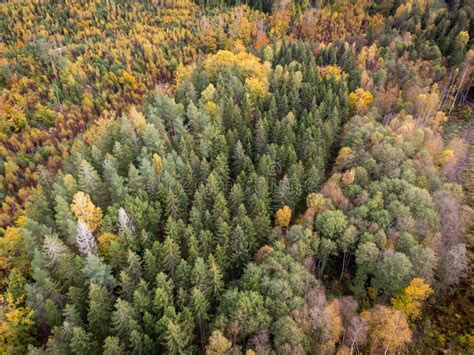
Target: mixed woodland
{"x":228,"y":177}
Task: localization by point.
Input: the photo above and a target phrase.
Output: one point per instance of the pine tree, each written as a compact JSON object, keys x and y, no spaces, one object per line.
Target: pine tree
{"x":81,"y":342}
{"x":200,"y":307}
{"x":123,"y":319}
{"x":134,"y":268}
{"x":53,"y":250}
{"x":239,"y":249}
{"x":178,"y":338}
{"x":91,"y":183}
{"x":171,"y":255}
{"x":216,"y":283}
{"x":112,"y":346}
{"x":64,"y":218}
{"x":99,"y":312}
{"x":98,"y":272}
{"x":200,"y":276}
{"x":118,"y":190}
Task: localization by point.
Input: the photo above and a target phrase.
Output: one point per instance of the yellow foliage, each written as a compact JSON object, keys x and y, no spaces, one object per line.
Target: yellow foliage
{"x":156,"y":164}
{"x":403,"y":10}
{"x":218,"y":344}
{"x":388,"y":329}
{"x":446,"y":156}
{"x":238,"y":46}
{"x":348,"y":177}
{"x":410,"y":300}
{"x":137,"y":119}
{"x":11,"y":254}
{"x":463,"y":38}
{"x":104,"y":242}
{"x":435,"y":122}
{"x":343,"y":153}
{"x":86,"y":211}
{"x":243,"y":63}
{"x":360,"y":100}
{"x":283,"y":216}
{"x":182,"y":72}
{"x":128,"y":79}
{"x":87,"y":102}
{"x":331,"y":71}
{"x":12,"y":118}
{"x":335,"y":327}
{"x":255,"y":87}
{"x":45,"y":114}
{"x":211,"y":108}
{"x":372,"y":292}
{"x":241,"y":28}
{"x":315,"y":201}
{"x":209,"y":93}
{"x":69,"y":182}
{"x":14,"y":325}
{"x":11,"y":169}
{"x":279,"y":22}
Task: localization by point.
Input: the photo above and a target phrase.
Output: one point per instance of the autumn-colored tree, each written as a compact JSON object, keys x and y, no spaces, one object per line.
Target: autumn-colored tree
{"x":262,"y":39}
{"x":12,"y":254}
{"x":343,"y":155}
{"x":104,"y":243}
{"x":388,"y":329}
{"x":218,"y":344}
{"x":279,"y":22}
{"x":331,"y":71}
{"x":348,"y":177}
{"x":86,"y":211}
{"x":334,"y":326}
{"x":283,"y":216}
{"x":333,"y":191}
{"x":315,"y":201}
{"x":411,"y":299}
{"x":15,"y":325}
{"x":360,"y":100}
{"x":157,"y":164}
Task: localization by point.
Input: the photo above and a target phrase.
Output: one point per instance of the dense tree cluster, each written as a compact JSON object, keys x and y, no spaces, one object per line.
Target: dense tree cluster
{"x":154,"y":213}
{"x":387,"y":213}
{"x":63,"y":64}
{"x":221,"y":178}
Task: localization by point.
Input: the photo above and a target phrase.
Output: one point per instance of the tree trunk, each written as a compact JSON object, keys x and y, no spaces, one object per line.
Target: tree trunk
{"x":459,"y":88}
{"x":343,"y":265}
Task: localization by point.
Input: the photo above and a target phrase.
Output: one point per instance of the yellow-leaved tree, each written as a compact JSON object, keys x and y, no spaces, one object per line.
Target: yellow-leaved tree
{"x":283,"y":216}
{"x":105,"y":242}
{"x":348,"y":177}
{"x":343,"y":154}
{"x":315,"y":201}
{"x":86,"y":211}
{"x":388,"y":329}
{"x":157,"y":164}
{"x":360,"y":100}
{"x":16,"y":321}
{"x":411,"y":299}
{"x":218,"y":344}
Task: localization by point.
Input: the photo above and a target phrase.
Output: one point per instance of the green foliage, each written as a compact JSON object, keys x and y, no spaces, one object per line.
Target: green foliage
{"x":151,"y":230}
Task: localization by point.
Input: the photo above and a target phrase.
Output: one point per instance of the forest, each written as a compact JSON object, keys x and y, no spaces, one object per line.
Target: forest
{"x":236,"y":177}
